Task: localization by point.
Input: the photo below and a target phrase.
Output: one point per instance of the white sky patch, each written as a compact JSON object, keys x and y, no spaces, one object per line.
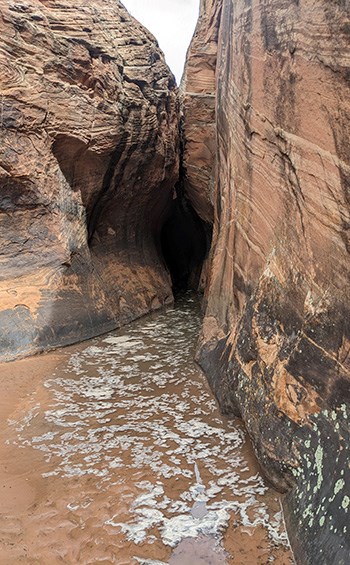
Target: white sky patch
{"x":172,"y":22}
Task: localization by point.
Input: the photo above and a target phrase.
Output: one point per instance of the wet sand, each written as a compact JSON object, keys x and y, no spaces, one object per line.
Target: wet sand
{"x":114,"y":451}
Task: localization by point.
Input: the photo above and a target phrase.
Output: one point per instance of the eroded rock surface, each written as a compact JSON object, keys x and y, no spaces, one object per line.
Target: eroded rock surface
{"x":198,"y":104}
{"x":198,"y":125}
{"x":275,"y":341}
{"x":88,"y":160}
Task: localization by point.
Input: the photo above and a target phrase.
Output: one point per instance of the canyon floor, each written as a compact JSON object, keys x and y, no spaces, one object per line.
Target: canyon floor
{"x":114,"y":451}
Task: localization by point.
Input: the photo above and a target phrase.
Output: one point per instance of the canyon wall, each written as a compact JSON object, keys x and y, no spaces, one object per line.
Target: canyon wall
{"x":198,"y":125}
{"x":276,"y":335}
{"x":197,"y":93}
{"x":88,"y":161}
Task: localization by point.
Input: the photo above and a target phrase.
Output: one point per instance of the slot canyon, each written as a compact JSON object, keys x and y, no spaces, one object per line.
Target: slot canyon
{"x":174,"y":286}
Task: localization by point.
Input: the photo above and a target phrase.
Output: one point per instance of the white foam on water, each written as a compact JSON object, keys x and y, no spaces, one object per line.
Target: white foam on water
{"x":136,"y":401}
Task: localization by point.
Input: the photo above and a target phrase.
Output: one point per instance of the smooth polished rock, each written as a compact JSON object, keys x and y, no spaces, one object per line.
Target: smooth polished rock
{"x":197,"y":93}
{"x":276,"y":335}
{"x":88,"y":161}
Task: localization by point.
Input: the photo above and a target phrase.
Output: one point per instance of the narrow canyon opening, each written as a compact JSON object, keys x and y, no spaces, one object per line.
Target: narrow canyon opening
{"x":185,"y":243}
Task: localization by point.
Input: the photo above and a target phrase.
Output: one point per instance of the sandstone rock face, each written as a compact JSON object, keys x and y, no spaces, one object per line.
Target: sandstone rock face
{"x":276,"y":335}
{"x":198,"y":124}
{"x":198,"y":103}
{"x":88,"y":160}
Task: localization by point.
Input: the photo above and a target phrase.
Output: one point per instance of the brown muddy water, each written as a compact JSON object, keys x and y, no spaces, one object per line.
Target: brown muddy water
{"x":114,"y":451}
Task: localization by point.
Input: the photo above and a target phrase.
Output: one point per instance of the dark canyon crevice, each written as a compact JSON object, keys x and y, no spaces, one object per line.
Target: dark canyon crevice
{"x":185,"y":237}
{"x":185,"y":242}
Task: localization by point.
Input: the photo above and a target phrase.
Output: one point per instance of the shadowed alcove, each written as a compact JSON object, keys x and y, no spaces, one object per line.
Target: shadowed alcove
{"x":185,"y":242}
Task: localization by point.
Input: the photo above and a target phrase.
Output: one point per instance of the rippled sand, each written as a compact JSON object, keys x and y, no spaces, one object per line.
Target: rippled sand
{"x":114,"y":451}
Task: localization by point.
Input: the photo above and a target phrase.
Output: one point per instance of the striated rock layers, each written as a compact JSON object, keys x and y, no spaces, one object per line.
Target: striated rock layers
{"x":276,"y":336}
{"x":88,"y":160}
{"x":198,"y":88}
{"x":198,"y":124}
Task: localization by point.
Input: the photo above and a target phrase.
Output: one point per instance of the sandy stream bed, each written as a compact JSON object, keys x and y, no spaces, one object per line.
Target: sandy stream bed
{"x":114,"y":451}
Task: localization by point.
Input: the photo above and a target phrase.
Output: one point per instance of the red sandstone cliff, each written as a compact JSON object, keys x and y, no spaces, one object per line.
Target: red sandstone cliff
{"x":198,"y":131}
{"x":276,"y":335}
{"x":198,"y":88}
{"x":88,"y":160}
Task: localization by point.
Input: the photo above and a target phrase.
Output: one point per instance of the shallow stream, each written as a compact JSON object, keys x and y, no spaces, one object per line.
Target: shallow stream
{"x":114,"y":451}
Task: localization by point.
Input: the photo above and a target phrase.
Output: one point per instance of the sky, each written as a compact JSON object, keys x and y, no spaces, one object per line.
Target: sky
{"x":172,"y":22}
